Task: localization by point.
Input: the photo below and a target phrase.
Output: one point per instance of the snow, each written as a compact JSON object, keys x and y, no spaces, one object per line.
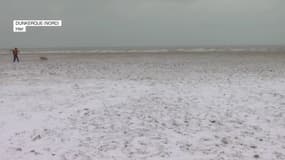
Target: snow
{"x":151,"y":106}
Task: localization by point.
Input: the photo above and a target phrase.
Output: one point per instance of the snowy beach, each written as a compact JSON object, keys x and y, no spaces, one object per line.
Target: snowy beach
{"x":143,"y":106}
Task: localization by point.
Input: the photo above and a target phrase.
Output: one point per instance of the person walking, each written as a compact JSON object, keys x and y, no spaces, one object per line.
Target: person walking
{"x":15,"y":54}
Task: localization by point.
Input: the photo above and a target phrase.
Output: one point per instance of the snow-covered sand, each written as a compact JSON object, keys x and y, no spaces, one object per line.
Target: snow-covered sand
{"x":145,"y":106}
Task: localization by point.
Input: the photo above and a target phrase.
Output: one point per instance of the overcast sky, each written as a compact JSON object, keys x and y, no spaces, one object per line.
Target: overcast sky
{"x":145,"y":22}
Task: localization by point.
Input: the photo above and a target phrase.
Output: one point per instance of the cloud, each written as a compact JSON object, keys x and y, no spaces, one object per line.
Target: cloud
{"x":135,"y":21}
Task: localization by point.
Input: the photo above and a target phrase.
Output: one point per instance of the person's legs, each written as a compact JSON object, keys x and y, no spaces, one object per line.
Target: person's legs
{"x":14,"y":60}
{"x":18,"y":59}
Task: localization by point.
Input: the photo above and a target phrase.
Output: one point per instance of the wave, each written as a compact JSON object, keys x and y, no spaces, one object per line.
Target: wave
{"x":159,"y":50}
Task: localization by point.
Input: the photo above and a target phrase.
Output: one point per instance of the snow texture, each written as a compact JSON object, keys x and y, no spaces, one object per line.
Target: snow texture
{"x":143,"y":106}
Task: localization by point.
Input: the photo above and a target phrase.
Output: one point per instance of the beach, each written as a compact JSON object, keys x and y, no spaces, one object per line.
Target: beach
{"x":145,"y":106}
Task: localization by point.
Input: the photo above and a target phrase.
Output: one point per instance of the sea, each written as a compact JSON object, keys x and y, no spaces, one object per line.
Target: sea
{"x":192,"y":49}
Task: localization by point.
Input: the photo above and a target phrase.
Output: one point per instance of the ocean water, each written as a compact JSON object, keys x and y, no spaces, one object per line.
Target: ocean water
{"x":147,"y":49}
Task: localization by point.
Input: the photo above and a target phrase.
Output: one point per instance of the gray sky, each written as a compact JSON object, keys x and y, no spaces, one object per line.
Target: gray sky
{"x":145,"y":22}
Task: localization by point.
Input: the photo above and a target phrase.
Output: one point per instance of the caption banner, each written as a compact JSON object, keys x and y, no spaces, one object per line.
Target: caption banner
{"x":21,"y":25}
